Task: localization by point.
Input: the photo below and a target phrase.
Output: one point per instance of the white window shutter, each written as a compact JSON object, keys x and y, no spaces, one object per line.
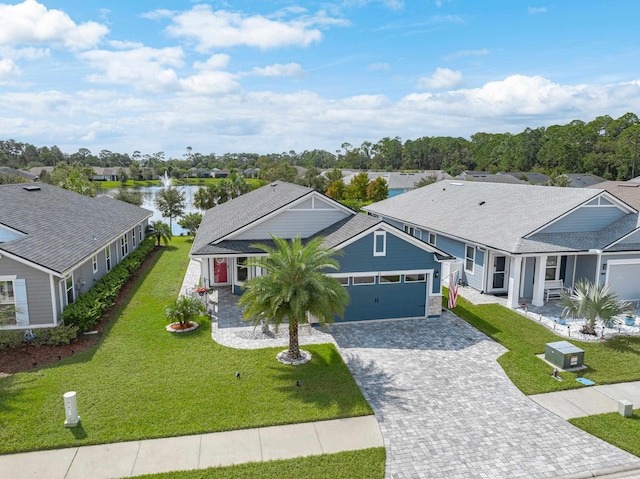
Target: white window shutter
{"x":22,"y":307}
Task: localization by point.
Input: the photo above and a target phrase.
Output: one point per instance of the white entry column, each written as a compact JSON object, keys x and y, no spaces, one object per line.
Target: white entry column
{"x":515,"y":270}
{"x":538,"y":285}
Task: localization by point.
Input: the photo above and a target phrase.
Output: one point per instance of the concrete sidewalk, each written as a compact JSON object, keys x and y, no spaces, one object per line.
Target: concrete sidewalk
{"x":126,"y":459}
{"x":589,"y":400}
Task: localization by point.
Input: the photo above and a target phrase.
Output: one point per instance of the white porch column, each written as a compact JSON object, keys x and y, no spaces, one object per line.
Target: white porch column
{"x":514,"y":282}
{"x":538,"y":285}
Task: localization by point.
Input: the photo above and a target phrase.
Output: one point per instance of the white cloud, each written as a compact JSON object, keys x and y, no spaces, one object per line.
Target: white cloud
{"x":219,"y":29}
{"x":536,"y":10}
{"x":279,"y":70}
{"x":442,"y":78}
{"x":446,"y":19}
{"x":468,"y":53}
{"x":392,"y":4}
{"x":378,"y":66}
{"x":31,"y":23}
{"x":8,"y":71}
{"x":142,"y":67}
{"x":214,"y":62}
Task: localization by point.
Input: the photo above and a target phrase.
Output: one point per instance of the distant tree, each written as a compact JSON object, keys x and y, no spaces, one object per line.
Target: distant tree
{"x":357,"y":189}
{"x":8,"y":178}
{"x":191,"y":222}
{"x":161,"y":231}
{"x":377,"y":190}
{"x":171,"y":202}
{"x":122,"y":174}
{"x":208,"y":197}
{"x":427,"y":180}
{"x":75,"y":178}
{"x":336,"y":190}
{"x":278,"y":170}
{"x":313,"y":179}
{"x":334,"y":175}
{"x":133,"y":197}
{"x":560,"y":180}
{"x":134,"y":169}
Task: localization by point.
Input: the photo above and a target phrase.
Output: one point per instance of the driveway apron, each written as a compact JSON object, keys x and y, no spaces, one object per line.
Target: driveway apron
{"x":447,"y":410}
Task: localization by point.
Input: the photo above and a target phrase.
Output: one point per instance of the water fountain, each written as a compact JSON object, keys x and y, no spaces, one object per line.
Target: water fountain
{"x":166,"y":181}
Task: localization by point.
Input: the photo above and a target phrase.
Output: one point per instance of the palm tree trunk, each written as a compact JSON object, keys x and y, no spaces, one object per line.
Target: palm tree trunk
{"x":294,"y":347}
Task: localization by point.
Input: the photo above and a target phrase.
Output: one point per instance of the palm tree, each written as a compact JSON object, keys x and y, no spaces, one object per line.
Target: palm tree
{"x":294,"y":287}
{"x":184,"y":310}
{"x":593,"y":302}
{"x":161,"y":230}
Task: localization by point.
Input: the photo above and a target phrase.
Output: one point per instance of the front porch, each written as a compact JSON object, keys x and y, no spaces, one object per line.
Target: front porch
{"x":548,"y":315}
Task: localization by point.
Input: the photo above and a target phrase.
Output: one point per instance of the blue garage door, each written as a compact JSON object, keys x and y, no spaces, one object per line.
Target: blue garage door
{"x":386,"y":301}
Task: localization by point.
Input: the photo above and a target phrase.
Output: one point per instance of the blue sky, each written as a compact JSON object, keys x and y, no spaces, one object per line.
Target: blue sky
{"x":256,"y":76}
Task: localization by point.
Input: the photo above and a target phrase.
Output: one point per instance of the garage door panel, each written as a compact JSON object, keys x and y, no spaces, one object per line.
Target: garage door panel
{"x":624,"y":280}
{"x":385,"y":301}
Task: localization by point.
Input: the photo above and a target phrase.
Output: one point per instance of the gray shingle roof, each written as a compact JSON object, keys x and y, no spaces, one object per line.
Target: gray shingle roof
{"x":492,"y":214}
{"x":60,"y":225}
{"x":228,"y":217}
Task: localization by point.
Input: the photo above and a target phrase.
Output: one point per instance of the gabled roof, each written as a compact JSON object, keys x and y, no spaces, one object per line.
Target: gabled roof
{"x":492,"y":214}
{"x":583,"y":180}
{"x":491,"y":178}
{"x":61,"y":228}
{"x":627,"y":191}
{"x":242,"y":211}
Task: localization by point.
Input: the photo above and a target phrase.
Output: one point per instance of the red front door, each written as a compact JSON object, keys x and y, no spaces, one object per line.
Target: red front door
{"x":220,"y":270}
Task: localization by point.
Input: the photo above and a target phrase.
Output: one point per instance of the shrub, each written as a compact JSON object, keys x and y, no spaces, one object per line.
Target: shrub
{"x":11,"y":339}
{"x":89,"y":308}
{"x":56,"y":336}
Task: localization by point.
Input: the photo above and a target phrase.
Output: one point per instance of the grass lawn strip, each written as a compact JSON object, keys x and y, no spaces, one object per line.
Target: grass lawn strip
{"x":142,"y":382}
{"x":364,"y":464}
{"x":612,"y":361}
{"x":612,"y":427}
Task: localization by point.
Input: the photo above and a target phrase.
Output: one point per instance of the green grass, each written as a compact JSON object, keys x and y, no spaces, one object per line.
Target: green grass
{"x":142,"y":382}
{"x":364,"y":464}
{"x":613,"y":428}
{"x":612,"y":361}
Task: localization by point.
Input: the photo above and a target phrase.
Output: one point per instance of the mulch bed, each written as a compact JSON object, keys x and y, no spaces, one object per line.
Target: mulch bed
{"x":26,"y":358}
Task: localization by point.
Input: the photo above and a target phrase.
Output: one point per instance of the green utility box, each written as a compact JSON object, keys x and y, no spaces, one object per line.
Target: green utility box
{"x":564,"y":355}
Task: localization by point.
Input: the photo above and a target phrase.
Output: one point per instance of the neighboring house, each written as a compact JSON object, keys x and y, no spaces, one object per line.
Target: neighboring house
{"x":54,"y":246}
{"x":388,"y":273}
{"x":530,"y":177}
{"x":511,"y":239}
{"x":12,"y":171}
{"x":484,"y":176}
{"x":37,"y":170}
{"x":195,"y":172}
{"x":218,"y":173}
{"x":108,"y":174}
{"x":251,"y":172}
{"x":583,"y":180}
{"x":397,"y":181}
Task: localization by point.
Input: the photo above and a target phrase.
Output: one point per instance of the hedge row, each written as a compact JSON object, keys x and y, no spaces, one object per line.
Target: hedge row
{"x":89,"y":308}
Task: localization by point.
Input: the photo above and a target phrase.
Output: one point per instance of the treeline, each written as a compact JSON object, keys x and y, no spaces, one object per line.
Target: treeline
{"x":605,"y":147}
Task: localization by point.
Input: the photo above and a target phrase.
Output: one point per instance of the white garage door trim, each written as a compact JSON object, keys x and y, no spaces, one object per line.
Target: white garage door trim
{"x":611,"y":279}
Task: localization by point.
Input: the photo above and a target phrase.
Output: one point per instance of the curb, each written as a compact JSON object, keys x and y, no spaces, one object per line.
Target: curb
{"x":604,"y":472}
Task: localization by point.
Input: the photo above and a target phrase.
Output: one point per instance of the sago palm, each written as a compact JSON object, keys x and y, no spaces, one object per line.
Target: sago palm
{"x":295,"y":286}
{"x":593,"y":302}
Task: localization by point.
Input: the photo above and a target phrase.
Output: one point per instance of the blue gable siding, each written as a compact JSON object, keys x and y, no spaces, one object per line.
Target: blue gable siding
{"x":586,"y":219}
{"x":400,"y":255}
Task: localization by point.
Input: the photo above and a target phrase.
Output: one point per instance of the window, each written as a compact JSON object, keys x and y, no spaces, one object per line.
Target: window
{"x":107,"y":255}
{"x":124,"y":245}
{"x":386,"y":279}
{"x":344,"y":280}
{"x":364,"y":280}
{"x":380,"y":243}
{"x":68,"y":282}
{"x":140,"y":233}
{"x":418,"y":233}
{"x":432,"y":239}
{"x":415,"y":278}
{"x":242,"y":272}
{"x":409,"y":229}
{"x":469,"y":258}
{"x":94,"y":263}
{"x":133,"y":237}
{"x":7,"y":304}
{"x":551,"y":271}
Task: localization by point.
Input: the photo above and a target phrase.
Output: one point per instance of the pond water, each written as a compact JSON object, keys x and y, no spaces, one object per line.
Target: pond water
{"x":149,"y":194}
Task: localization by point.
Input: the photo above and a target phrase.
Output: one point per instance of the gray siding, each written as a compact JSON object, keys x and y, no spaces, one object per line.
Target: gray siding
{"x":529,"y":274}
{"x":38,"y":290}
{"x":292,"y":223}
{"x":586,"y":219}
{"x":586,"y":267}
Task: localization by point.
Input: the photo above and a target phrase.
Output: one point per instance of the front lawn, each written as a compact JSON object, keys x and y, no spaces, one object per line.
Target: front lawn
{"x":623,"y":432}
{"x":364,"y":464}
{"x":143,"y":382}
{"x":612,"y":361}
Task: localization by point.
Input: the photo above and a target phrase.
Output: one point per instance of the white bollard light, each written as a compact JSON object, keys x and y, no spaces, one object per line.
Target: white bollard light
{"x":71,"y":409}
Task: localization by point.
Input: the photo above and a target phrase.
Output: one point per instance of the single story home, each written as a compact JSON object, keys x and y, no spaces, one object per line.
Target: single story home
{"x":54,"y":245}
{"x":387,"y":272}
{"x":399,"y":182}
{"x":519,"y":240}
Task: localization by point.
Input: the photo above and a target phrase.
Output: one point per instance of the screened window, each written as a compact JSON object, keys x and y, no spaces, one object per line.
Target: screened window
{"x":551,"y":271}
{"x":415,"y":278}
{"x":364,"y":280}
{"x":124,"y":245}
{"x":380,"y":243}
{"x":386,"y":279}
{"x":469,"y":259}
{"x":133,"y":237}
{"x":344,"y":281}
{"x":140,"y":233}
{"x":94,"y":263}
{"x":68,"y":282}
{"x":107,"y":255}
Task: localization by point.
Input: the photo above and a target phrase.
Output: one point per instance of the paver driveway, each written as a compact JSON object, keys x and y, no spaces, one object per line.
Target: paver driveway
{"x":447,"y":410}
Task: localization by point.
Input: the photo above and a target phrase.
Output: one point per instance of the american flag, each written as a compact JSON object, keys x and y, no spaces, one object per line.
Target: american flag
{"x":453,"y":288}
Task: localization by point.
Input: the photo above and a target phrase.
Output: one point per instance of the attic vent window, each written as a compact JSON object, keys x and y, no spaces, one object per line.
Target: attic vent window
{"x":31,"y":188}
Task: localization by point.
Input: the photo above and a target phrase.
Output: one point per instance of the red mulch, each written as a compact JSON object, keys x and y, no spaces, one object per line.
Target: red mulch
{"x":25,"y":358}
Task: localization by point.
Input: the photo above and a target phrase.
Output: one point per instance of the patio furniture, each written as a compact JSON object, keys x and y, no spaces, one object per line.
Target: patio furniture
{"x":553,"y":289}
